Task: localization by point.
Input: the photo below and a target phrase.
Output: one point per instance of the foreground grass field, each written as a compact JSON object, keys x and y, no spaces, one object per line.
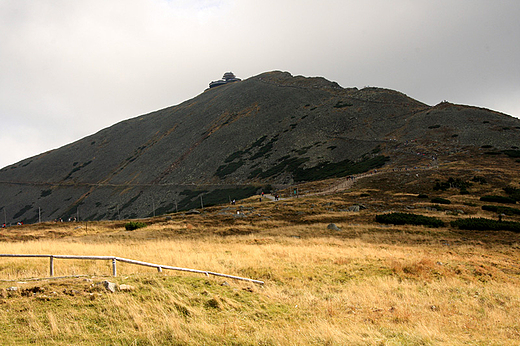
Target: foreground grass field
{"x":364,"y":284}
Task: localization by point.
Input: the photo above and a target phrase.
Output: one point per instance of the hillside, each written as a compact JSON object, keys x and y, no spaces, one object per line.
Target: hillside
{"x":333,"y":274}
{"x":271,"y":130}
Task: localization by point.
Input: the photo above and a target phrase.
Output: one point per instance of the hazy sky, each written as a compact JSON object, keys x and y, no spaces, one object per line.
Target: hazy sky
{"x":71,"y":68}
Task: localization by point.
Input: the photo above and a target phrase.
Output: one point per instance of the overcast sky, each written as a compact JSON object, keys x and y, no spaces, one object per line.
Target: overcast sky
{"x":71,"y":68}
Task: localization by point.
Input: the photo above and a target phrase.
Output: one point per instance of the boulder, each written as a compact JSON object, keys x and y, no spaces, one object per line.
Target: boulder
{"x":192,"y":212}
{"x":110,"y":286}
{"x":333,"y":227}
{"x":125,"y":287}
{"x":354,"y":208}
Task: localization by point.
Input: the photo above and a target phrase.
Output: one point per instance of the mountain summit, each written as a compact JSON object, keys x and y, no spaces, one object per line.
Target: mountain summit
{"x":227,"y":142}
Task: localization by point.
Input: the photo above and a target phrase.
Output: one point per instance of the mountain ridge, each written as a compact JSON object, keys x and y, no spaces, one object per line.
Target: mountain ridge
{"x":273,"y":128}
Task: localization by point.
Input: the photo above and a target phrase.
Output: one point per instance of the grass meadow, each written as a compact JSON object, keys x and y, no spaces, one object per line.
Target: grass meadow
{"x":365,"y":284}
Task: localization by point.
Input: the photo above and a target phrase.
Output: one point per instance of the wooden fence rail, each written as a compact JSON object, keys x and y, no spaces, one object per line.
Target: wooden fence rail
{"x":114,"y":260}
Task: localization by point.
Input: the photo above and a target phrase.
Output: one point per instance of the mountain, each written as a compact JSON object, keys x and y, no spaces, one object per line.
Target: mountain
{"x":235,"y":139}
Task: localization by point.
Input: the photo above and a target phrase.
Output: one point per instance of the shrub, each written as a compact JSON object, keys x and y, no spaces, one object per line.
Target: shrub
{"x":482,"y":224}
{"x":224,"y":170}
{"x":512,"y":153}
{"x":497,"y":199}
{"x":409,"y":219}
{"x":452,"y":183}
{"x":422,"y":195}
{"x":513,"y":192}
{"x":440,"y":200}
{"x":480,"y":180}
{"x":341,"y":104}
{"x":501,"y":209}
{"x":464,"y":191}
{"x":133,"y":225}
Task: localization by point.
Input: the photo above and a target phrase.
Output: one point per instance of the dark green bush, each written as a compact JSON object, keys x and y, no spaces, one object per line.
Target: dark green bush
{"x":133,"y":225}
{"x":409,"y":219}
{"x":422,"y":195}
{"x":464,"y":191}
{"x":497,"y":199}
{"x":482,"y":224}
{"x":501,"y":209}
{"x":480,"y":180}
{"x":440,"y":200}
{"x":224,"y":170}
{"x":452,"y":183}
{"x":512,"y":153}
{"x":513,"y":192}
{"x":341,"y":104}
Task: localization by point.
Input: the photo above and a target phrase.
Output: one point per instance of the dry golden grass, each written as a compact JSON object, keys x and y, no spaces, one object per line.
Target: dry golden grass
{"x":367,"y":284}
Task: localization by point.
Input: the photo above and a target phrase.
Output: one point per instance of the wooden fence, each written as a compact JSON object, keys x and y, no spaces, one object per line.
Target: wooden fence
{"x":114,"y":260}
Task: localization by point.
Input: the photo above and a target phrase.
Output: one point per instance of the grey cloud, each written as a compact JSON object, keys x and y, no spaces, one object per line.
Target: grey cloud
{"x":70,"y":68}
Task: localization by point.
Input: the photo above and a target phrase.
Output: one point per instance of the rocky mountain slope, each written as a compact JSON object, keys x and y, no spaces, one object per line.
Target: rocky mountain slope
{"x":231,"y":140}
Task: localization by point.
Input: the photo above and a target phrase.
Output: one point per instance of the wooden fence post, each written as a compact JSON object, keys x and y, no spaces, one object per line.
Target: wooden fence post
{"x":51,"y":265}
{"x":114,"y":269}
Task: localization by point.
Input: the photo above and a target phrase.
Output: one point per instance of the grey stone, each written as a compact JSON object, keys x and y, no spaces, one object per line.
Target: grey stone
{"x":354,"y":208}
{"x":110,"y":286}
{"x":192,"y":212}
{"x":125,"y":287}
{"x":333,"y":227}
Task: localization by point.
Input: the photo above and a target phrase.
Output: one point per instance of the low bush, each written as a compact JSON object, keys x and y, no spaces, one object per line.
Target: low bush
{"x":482,"y":224}
{"x":480,"y":180}
{"x":409,"y":219}
{"x":440,"y":200}
{"x":452,"y":183}
{"x":498,"y":199}
{"x":422,"y":195}
{"x":464,"y":191}
{"x":513,"y":192}
{"x":133,"y":225}
{"x":501,"y":209}
{"x":512,"y":153}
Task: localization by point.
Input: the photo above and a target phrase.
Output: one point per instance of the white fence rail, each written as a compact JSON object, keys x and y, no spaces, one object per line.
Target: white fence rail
{"x":114,"y":260}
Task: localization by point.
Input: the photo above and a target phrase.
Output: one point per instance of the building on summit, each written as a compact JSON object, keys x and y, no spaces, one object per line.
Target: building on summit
{"x":228,"y":77}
